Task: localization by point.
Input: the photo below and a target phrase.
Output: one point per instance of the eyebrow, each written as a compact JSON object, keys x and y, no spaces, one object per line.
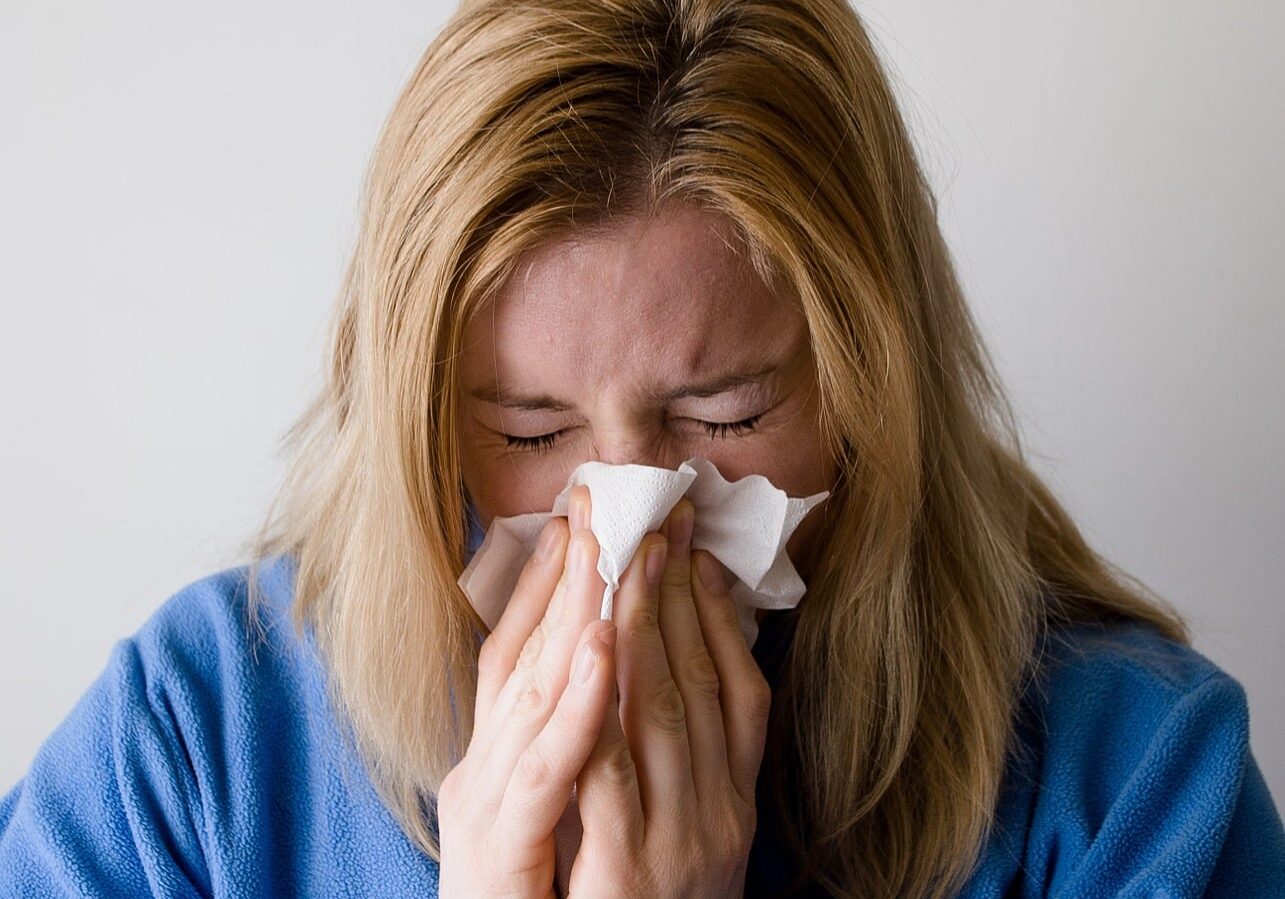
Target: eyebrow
{"x":544,"y":403}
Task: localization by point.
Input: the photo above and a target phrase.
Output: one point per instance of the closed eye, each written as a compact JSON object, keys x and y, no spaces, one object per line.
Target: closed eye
{"x":715,"y":429}
{"x":738,"y":428}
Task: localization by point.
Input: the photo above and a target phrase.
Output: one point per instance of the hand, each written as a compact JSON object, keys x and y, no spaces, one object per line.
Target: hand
{"x":666,"y":799}
{"x":535,"y":723}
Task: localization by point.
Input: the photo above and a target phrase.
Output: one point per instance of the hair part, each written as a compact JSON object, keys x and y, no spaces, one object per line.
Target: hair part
{"x":947,"y":558}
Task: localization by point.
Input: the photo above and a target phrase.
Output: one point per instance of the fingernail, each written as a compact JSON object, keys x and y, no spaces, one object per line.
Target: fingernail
{"x":655,"y":565}
{"x":548,"y":540}
{"x":711,"y":573}
{"x":586,"y":659}
{"x":575,"y":514}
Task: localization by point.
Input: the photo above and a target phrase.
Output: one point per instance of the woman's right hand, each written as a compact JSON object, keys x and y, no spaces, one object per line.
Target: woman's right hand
{"x":535,"y":721}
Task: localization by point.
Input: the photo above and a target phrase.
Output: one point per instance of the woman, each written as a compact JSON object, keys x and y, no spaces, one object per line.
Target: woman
{"x":637,"y":231}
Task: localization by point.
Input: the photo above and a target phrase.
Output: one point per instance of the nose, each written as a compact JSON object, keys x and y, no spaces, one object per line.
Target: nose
{"x":637,"y":448}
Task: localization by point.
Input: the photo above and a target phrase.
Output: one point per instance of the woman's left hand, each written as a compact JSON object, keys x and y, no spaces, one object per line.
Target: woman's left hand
{"x":666,"y":799}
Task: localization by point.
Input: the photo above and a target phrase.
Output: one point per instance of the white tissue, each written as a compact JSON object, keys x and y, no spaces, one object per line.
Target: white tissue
{"x":745,"y":524}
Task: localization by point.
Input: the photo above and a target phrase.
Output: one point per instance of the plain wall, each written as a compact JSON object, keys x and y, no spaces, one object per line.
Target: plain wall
{"x":178,"y":190}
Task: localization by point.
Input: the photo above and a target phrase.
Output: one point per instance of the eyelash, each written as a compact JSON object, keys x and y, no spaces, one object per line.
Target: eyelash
{"x":718,"y":429}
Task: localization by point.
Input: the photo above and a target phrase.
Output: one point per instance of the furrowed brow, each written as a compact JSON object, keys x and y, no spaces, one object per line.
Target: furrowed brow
{"x":494,"y":393}
{"x":511,"y":399}
{"x":717,"y":385}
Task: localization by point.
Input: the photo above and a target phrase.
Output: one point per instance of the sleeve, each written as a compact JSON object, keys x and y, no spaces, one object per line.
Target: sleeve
{"x":109,"y":804}
{"x":1180,"y":810}
{"x":1252,"y":861}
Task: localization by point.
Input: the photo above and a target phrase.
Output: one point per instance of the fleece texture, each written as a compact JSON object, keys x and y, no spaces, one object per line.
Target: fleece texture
{"x":205,"y":761}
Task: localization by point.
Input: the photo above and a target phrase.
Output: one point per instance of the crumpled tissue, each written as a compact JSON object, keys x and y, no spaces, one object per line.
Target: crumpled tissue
{"x":745,"y":524}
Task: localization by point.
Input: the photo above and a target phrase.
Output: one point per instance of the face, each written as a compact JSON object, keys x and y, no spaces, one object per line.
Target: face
{"x":649,"y":344}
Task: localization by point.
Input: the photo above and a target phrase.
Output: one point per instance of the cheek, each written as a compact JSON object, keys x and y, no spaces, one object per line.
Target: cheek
{"x":790,"y":454}
{"x":504,"y":486}
{"x":789,"y":463}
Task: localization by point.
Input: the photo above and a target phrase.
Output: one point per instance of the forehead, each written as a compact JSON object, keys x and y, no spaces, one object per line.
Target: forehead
{"x":653,"y":299}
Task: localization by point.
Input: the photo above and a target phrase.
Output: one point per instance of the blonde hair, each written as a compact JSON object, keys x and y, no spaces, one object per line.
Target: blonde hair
{"x":947,"y":557}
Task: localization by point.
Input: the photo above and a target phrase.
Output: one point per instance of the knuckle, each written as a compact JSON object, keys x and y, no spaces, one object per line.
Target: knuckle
{"x":449,"y":790}
{"x":491,"y":657}
{"x":756,"y":699}
{"x":532,"y":698}
{"x":531,"y":649}
{"x":534,"y":767}
{"x":726,"y":837}
{"x":674,"y":579}
{"x":666,"y":708}
{"x":701,"y":673}
{"x":556,"y":611}
{"x":737,"y":827}
{"x":642,"y":620}
{"x":618,"y":765}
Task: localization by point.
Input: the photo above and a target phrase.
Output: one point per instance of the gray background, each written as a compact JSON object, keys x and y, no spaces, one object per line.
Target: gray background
{"x":179,"y":188}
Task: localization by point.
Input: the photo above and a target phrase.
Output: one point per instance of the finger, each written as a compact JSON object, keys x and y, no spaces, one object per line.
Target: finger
{"x":745,"y":695}
{"x":540,"y":578}
{"x":690,"y":663}
{"x":526,"y":700}
{"x":538,"y":792}
{"x":607,"y":790}
{"x":524,"y":624}
{"x":651,"y":706}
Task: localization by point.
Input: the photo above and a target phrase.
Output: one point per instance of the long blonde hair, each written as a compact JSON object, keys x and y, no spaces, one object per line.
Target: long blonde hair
{"x":947,"y":557}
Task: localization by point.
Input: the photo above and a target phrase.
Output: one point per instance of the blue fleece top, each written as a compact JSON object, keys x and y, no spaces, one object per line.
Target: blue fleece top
{"x":200,"y":763}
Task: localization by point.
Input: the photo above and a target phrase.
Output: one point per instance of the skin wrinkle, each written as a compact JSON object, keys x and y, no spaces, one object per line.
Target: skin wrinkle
{"x":608,"y":323}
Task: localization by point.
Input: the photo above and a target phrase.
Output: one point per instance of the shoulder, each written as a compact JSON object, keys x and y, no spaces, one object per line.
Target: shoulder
{"x":1132,"y":649}
{"x":205,"y":758}
{"x":209,"y":655}
{"x":1108,"y":703}
{"x":247,"y":692}
{"x":228,"y":675}
{"x":1132,"y":772}
{"x":222,"y":660}
{"x":1127,"y":679}
{"x":214,"y":615}
{"x":129,"y":791}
